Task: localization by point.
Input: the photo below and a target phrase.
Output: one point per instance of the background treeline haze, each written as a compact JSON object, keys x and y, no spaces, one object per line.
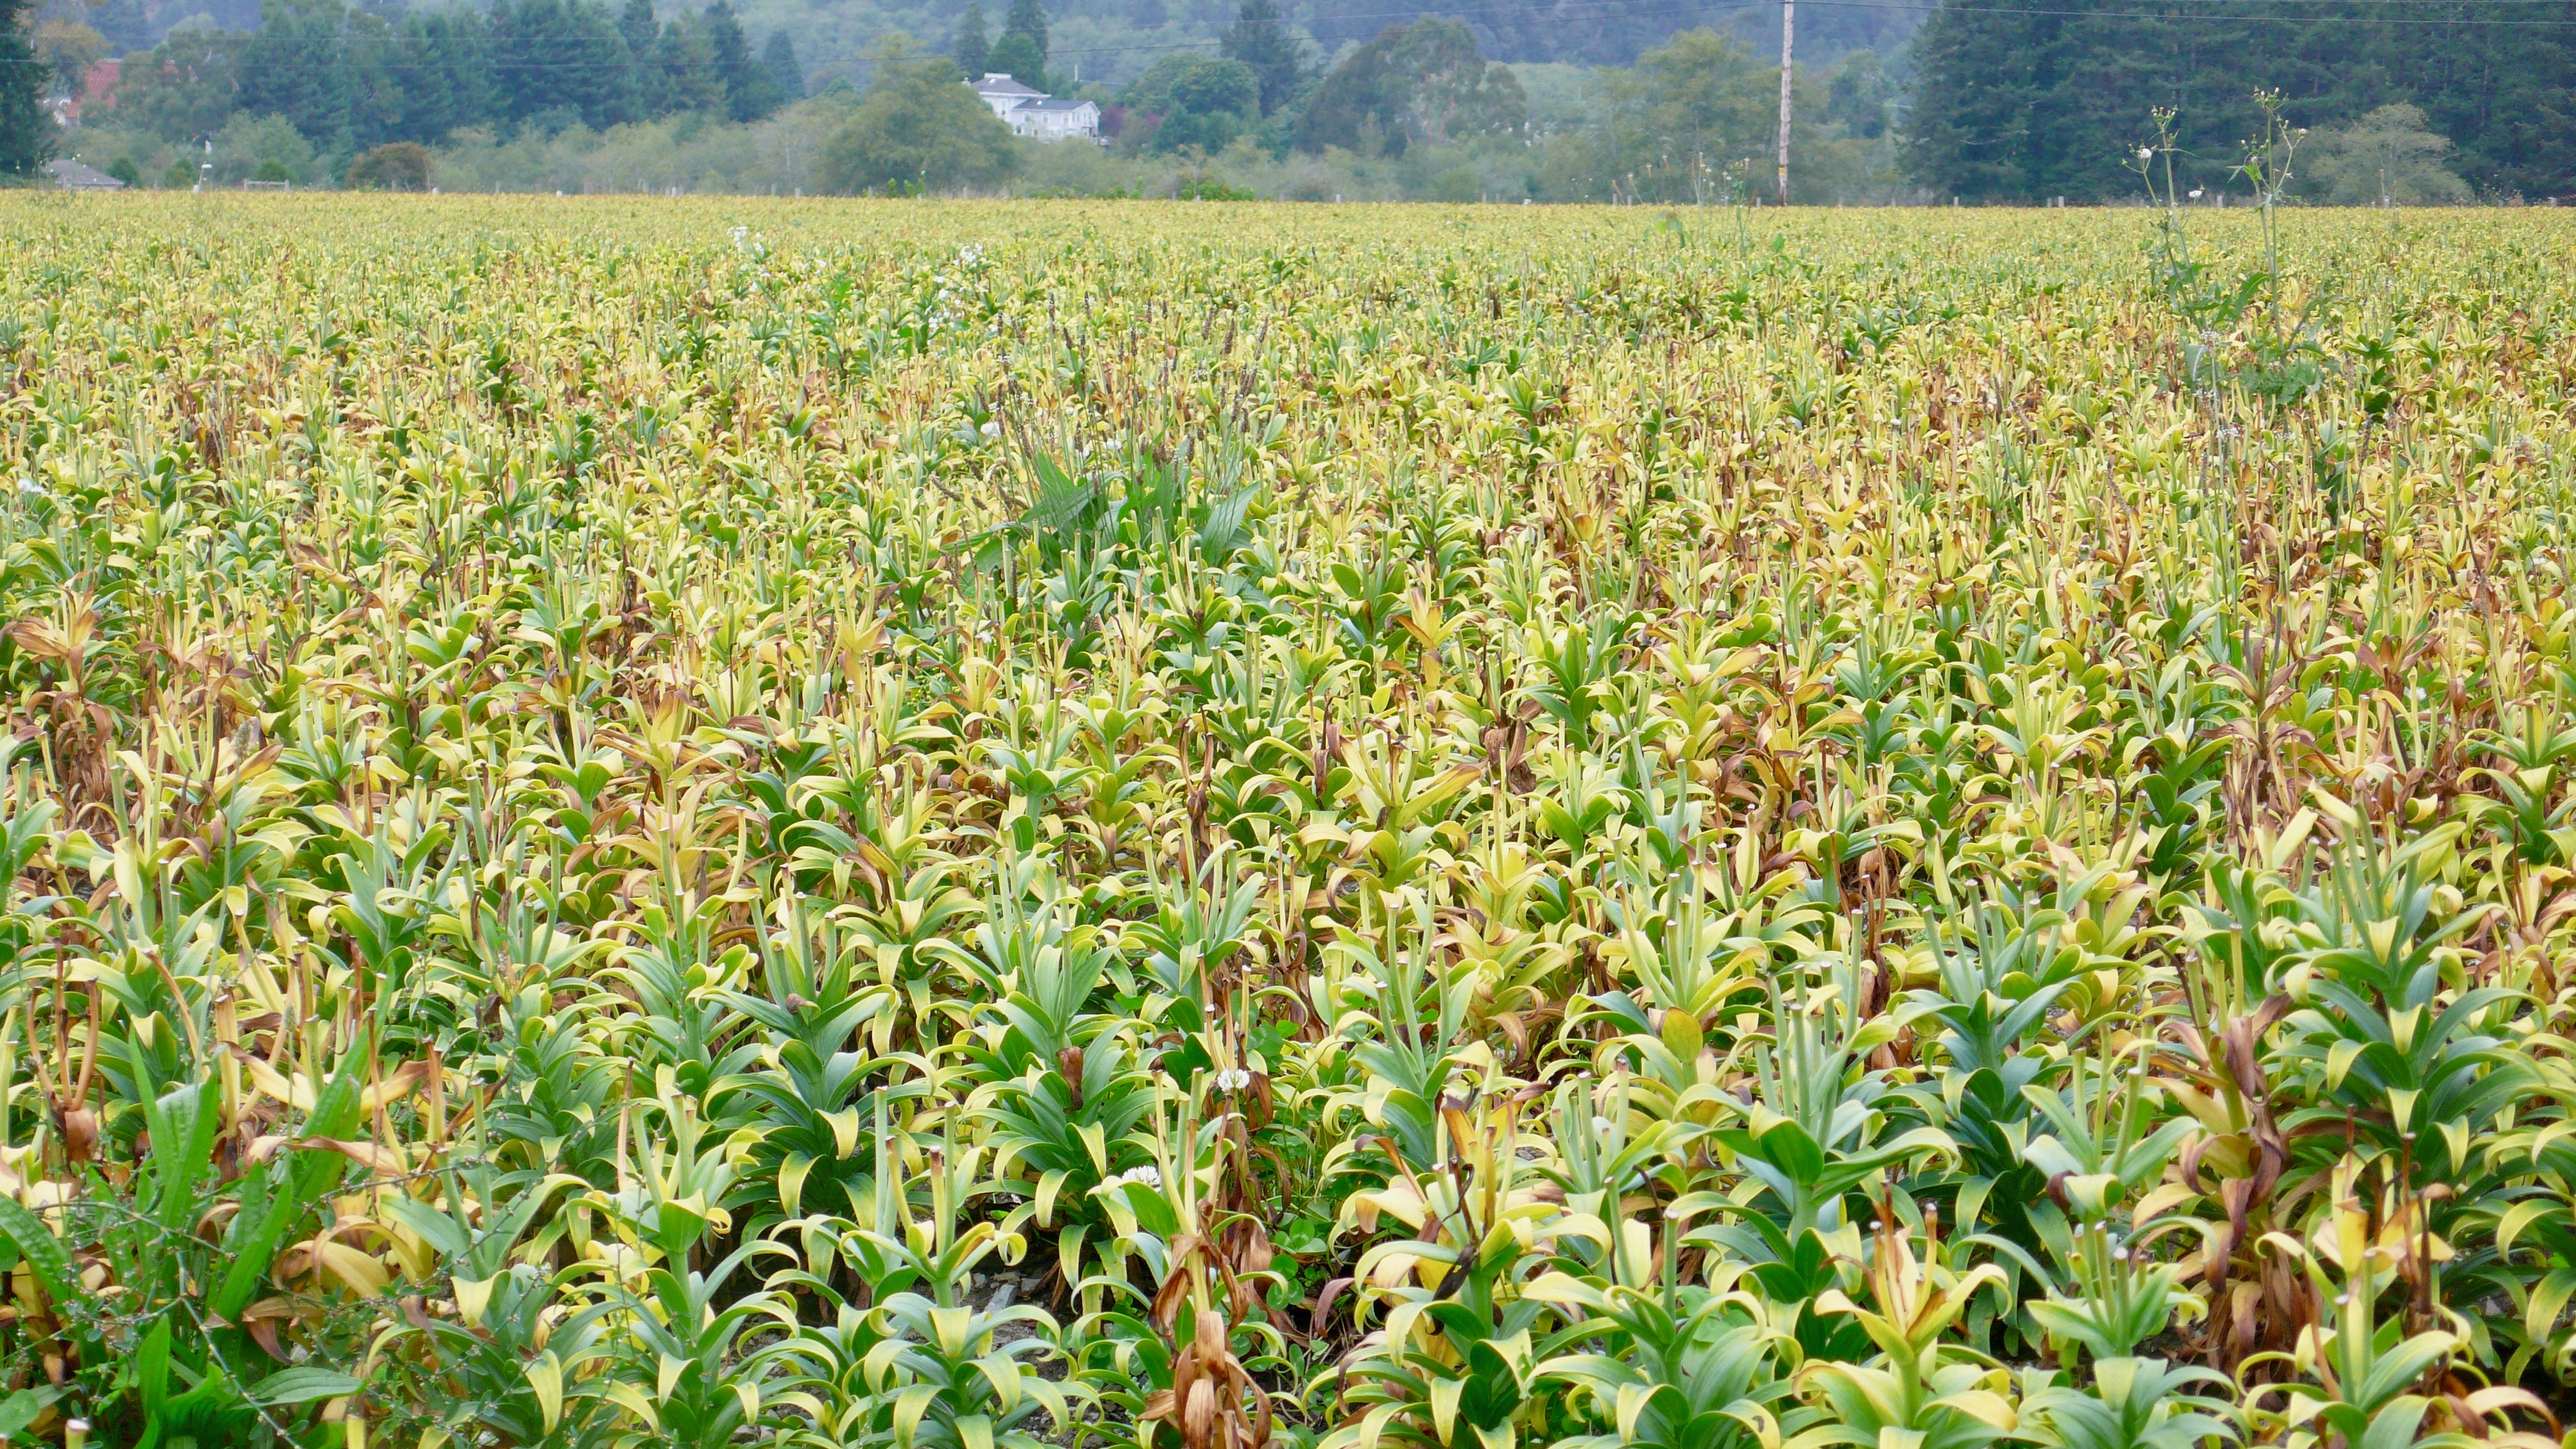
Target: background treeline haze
{"x":1549,"y":100}
{"x":2021,"y":106}
{"x":353,"y":78}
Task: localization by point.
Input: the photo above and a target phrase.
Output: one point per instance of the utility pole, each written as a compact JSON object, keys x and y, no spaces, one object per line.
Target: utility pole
{"x":1788,"y":44}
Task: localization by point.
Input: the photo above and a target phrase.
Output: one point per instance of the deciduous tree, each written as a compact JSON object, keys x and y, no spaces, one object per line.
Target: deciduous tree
{"x":1419,"y":82}
{"x":917,"y":129}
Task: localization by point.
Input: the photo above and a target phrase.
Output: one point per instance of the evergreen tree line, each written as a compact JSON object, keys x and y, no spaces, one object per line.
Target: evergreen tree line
{"x":2024,"y":104}
{"x":2002,"y":103}
{"x":26,"y":132}
{"x":350,"y":79}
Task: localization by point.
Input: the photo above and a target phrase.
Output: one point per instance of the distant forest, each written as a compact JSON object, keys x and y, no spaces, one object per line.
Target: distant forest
{"x":2014,"y":102}
{"x":1978,"y":100}
{"x":1111,"y":41}
{"x":1114,"y":40}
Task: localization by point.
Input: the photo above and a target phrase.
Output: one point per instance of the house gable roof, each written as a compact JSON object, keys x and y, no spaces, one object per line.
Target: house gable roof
{"x":77,"y":177}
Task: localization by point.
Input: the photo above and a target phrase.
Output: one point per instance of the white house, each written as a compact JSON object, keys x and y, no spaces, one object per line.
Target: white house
{"x":1003,"y":94}
{"x":1035,"y":113}
{"x":1052,"y":118}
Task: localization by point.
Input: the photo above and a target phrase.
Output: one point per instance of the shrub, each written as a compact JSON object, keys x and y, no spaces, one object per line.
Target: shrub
{"x":396,"y":166}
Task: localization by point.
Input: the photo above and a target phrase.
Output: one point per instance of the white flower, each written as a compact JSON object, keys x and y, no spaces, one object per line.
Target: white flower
{"x":991,"y":429}
{"x":2195,"y":193}
{"x":30,"y":485}
{"x":2146,"y":153}
{"x":1149,"y":1175}
{"x":1233,"y":1079}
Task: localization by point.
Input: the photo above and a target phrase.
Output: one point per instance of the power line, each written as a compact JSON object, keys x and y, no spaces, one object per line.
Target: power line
{"x":1900,"y":5}
{"x":2175,"y":14}
{"x":2181,"y":10}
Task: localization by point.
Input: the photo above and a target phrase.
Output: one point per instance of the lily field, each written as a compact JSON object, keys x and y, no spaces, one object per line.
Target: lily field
{"x":965,"y":826}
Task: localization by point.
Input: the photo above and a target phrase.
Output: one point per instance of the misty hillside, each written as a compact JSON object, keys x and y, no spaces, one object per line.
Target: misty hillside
{"x":1110,"y":41}
{"x":1113,"y":40}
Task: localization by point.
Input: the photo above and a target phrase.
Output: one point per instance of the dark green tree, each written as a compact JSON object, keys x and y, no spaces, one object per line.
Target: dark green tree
{"x":1027,"y":17}
{"x":600,"y":73}
{"x":750,"y":91}
{"x":638,"y":26}
{"x":1992,"y":120}
{"x":292,"y":67}
{"x":445,"y":63}
{"x":1021,"y":53}
{"x":2503,"y":93}
{"x":1258,"y":40}
{"x":684,"y":64}
{"x":1201,"y":101}
{"x":642,"y":31}
{"x":917,"y":130}
{"x":971,"y":47}
{"x":785,"y":70}
{"x":561,"y":55}
{"x":2021,"y":106}
{"x":26,"y":132}
{"x":379,"y":84}
{"x":1021,"y":58}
